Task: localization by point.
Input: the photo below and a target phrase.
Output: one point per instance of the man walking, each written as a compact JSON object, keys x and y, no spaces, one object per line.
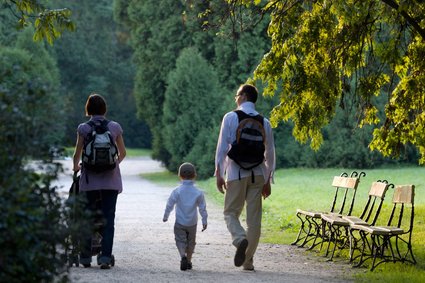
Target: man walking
{"x":243,"y":178}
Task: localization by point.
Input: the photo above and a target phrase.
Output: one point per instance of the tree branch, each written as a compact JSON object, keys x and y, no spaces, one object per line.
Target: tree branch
{"x":408,"y":18}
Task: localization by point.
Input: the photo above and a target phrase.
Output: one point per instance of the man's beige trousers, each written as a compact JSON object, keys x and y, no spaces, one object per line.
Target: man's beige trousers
{"x":238,"y":194}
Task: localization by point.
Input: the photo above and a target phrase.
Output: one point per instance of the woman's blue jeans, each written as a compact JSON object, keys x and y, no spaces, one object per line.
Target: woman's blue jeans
{"x":103,"y":201}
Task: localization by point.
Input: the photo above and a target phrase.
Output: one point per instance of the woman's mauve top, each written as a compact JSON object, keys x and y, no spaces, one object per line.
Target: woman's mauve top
{"x":108,"y":180}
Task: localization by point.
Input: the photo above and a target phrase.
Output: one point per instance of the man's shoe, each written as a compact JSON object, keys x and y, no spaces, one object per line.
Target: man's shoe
{"x":183,"y":263}
{"x":105,"y":266}
{"x":189,"y":265}
{"x":86,"y":265}
{"x":248,"y":265}
{"x":240,"y":253}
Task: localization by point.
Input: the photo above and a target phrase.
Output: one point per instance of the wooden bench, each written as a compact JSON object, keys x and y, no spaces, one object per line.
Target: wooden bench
{"x":382,"y":243}
{"x":336,"y":227}
{"x":311,"y":226}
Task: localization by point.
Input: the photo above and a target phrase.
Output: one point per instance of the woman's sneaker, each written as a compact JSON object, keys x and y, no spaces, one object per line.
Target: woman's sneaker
{"x":105,"y":266}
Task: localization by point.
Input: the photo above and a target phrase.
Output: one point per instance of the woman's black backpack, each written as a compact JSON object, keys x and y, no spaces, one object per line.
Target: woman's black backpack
{"x":100,"y":152}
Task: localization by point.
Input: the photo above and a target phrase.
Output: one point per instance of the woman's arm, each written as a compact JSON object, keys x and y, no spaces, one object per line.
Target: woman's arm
{"x":121,"y":148}
{"x":77,"y":153}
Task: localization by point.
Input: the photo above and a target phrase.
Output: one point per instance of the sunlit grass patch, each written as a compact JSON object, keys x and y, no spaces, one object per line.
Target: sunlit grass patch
{"x":164,"y":178}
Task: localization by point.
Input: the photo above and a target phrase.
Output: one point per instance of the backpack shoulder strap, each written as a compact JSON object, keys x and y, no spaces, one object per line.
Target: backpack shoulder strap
{"x":242,"y":115}
{"x":91,"y":123}
{"x":104,"y":124}
{"x":100,"y":125}
{"x":260,"y":119}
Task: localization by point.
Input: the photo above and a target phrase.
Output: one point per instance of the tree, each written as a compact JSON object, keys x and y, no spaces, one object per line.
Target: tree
{"x":323,"y":51}
{"x":156,"y":47}
{"x":191,"y":113}
{"x":28,"y":205}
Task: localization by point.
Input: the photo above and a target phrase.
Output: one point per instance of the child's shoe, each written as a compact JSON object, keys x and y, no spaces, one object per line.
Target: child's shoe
{"x":184,"y":263}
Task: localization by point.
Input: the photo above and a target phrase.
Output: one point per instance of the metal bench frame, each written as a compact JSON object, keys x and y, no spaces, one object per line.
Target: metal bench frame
{"x":311,"y":226}
{"x":382,"y":243}
{"x":376,"y":197}
{"x":334,"y":227}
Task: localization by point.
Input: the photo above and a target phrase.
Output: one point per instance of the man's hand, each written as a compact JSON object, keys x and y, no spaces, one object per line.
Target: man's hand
{"x":204,"y":227}
{"x":221,"y":184}
{"x":267,"y":190}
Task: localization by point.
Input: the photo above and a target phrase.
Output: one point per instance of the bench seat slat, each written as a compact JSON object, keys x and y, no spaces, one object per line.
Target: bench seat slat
{"x":379,"y":230}
{"x":354,"y":220}
{"x":335,"y":220}
{"x":314,"y":214}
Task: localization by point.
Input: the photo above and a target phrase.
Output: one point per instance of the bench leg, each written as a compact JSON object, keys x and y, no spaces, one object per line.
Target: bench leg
{"x":317,"y":233}
{"x":301,"y":231}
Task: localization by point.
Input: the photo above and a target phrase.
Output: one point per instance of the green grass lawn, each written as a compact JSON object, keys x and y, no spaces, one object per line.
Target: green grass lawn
{"x":311,"y":189}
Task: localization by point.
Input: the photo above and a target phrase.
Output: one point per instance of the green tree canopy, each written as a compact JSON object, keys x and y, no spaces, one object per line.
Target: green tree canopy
{"x":323,"y":51}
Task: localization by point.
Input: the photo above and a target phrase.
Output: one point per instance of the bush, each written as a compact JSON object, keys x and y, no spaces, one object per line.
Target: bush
{"x":33,"y":224}
{"x":32,"y":229}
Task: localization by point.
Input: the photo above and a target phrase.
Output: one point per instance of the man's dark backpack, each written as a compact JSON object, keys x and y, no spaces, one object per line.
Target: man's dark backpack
{"x":100,"y":152}
{"x":248,"y":148}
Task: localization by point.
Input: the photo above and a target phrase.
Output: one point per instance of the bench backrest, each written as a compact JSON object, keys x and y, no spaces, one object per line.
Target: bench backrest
{"x":348,"y":186}
{"x":375,"y":200}
{"x":403,"y":195}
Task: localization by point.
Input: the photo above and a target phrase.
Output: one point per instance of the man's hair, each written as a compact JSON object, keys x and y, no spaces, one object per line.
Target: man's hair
{"x":95,"y":105}
{"x":250,"y":91}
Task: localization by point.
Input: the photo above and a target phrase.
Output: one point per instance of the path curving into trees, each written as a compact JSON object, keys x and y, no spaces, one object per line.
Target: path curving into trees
{"x":144,"y":246}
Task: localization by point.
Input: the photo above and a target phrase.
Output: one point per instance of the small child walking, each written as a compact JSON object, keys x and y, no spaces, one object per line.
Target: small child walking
{"x":188,"y":199}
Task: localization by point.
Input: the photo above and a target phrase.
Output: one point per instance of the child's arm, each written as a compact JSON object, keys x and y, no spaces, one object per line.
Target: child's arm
{"x":170,"y":205}
{"x":203,"y":211}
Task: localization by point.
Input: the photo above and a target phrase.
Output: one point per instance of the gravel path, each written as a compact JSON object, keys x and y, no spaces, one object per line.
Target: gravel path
{"x":145,"y":251}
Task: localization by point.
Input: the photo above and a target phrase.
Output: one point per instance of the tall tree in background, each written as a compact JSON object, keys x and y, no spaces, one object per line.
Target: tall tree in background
{"x":191,"y":112}
{"x":158,"y":34}
{"x":323,"y":51}
{"x":49,"y":110}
